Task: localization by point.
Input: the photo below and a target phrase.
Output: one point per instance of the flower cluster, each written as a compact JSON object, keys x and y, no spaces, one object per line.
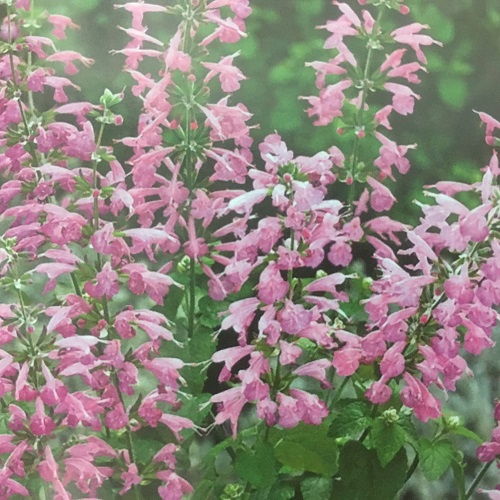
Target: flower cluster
{"x":75,"y":358}
{"x":135,"y":257}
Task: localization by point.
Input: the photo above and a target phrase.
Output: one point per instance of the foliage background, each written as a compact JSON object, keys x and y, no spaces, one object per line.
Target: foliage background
{"x":463,"y":76}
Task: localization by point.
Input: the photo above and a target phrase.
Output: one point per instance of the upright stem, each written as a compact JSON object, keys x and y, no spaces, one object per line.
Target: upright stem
{"x":477,"y":479}
{"x":94,"y":179}
{"x":30,"y":144}
{"x":364,"y":96}
{"x":192,"y":297}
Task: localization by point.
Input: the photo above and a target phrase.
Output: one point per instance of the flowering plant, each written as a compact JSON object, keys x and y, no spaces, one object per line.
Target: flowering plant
{"x":135,"y":273}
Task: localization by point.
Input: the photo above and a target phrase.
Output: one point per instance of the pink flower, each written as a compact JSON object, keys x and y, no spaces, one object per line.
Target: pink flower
{"x":175,"y":487}
{"x":40,"y":423}
{"x":229,"y":75}
{"x":415,"y":395}
{"x":67,"y":57}
{"x":130,"y":478}
{"x":393,"y":362}
{"x":329,"y":103}
{"x":310,"y":407}
{"x":231,"y":403}
{"x":117,"y":418}
{"x":491,"y":126}
{"x":409,"y":35}
{"x":107,"y":283}
{"x":230,"y":357}
{"x":54,"y":390}
{"x":381,"y":199}
{"x":379,"y":392}
{"x":138,"y":9}
{"x":175,"y":58}
{"x":176,"y":423}
{"x":49,"y":471}
{"x":272,"y":287}
{"x":315,"y":369}
{"x":288,"y":409}
{"x":60,"y":24}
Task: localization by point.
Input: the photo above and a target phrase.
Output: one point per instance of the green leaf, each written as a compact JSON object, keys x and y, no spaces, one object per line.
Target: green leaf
{"x":463,"y":431}
{"x":351,"y":421}
{"x":387,"y":438}
{"x":405,"y":421}
{"x":362,"y":477}
{"x":435,"y":458}
{"x":257,"y":467}
{"x":306,"y":448}
{"x":313,"y":455}
{"x":453,"y":91}
{"x":314,"y":488}
{"x":277,"y":492}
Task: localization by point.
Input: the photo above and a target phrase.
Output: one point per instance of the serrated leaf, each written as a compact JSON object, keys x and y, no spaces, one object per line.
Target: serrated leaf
{"x":435,"y":458}
{"x":257,"y":467}
{"x":314,"y":488}
{"x":351,"y":421}
{"x":387,"y":439}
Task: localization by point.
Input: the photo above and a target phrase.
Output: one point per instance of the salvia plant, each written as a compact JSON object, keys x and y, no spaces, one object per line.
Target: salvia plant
{"x":186,"y":314}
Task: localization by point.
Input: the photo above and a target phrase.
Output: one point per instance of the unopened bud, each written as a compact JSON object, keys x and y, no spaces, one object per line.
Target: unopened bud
{"x":287,"y":177}
{"x":390,"y":416}
{"x":193,"y":125}
{"x":95,"y":193}
{"x":452,"y":422}
{"x":404,"y":10}
{"x":424,"y":318}
{"x":340,"y":131}
{"x":118,"y":120}
{"x":349,"y":180}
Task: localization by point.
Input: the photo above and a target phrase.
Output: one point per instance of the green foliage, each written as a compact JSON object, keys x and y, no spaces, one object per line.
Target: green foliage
{"x":387,"y":438}
{"x":313,"y":488}
{"x":364,"y":478}
{"x":306,"y":448}
{"x":257,"y":466}
{"x":435,"y":458}
{"x":353,"y":419}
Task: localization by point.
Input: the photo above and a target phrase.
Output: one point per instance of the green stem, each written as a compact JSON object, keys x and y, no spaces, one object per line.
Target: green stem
{"x":359,"y":116}
{"x":94,"y":177}
{"x":30,"y":144}
{"x":192,"y":297}
{"x":367,"y":430}
{"x":128,"y":435}
{"x":413,"y":467}
{"x":76,"y":286}
{"x":477,"y":479}
{"x":339,"y":391}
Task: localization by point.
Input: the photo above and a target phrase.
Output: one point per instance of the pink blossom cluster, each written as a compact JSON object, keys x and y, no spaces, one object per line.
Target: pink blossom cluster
{"x":82,"y":371}
{"x":75,"y":360}
{"x":346,"y":81}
